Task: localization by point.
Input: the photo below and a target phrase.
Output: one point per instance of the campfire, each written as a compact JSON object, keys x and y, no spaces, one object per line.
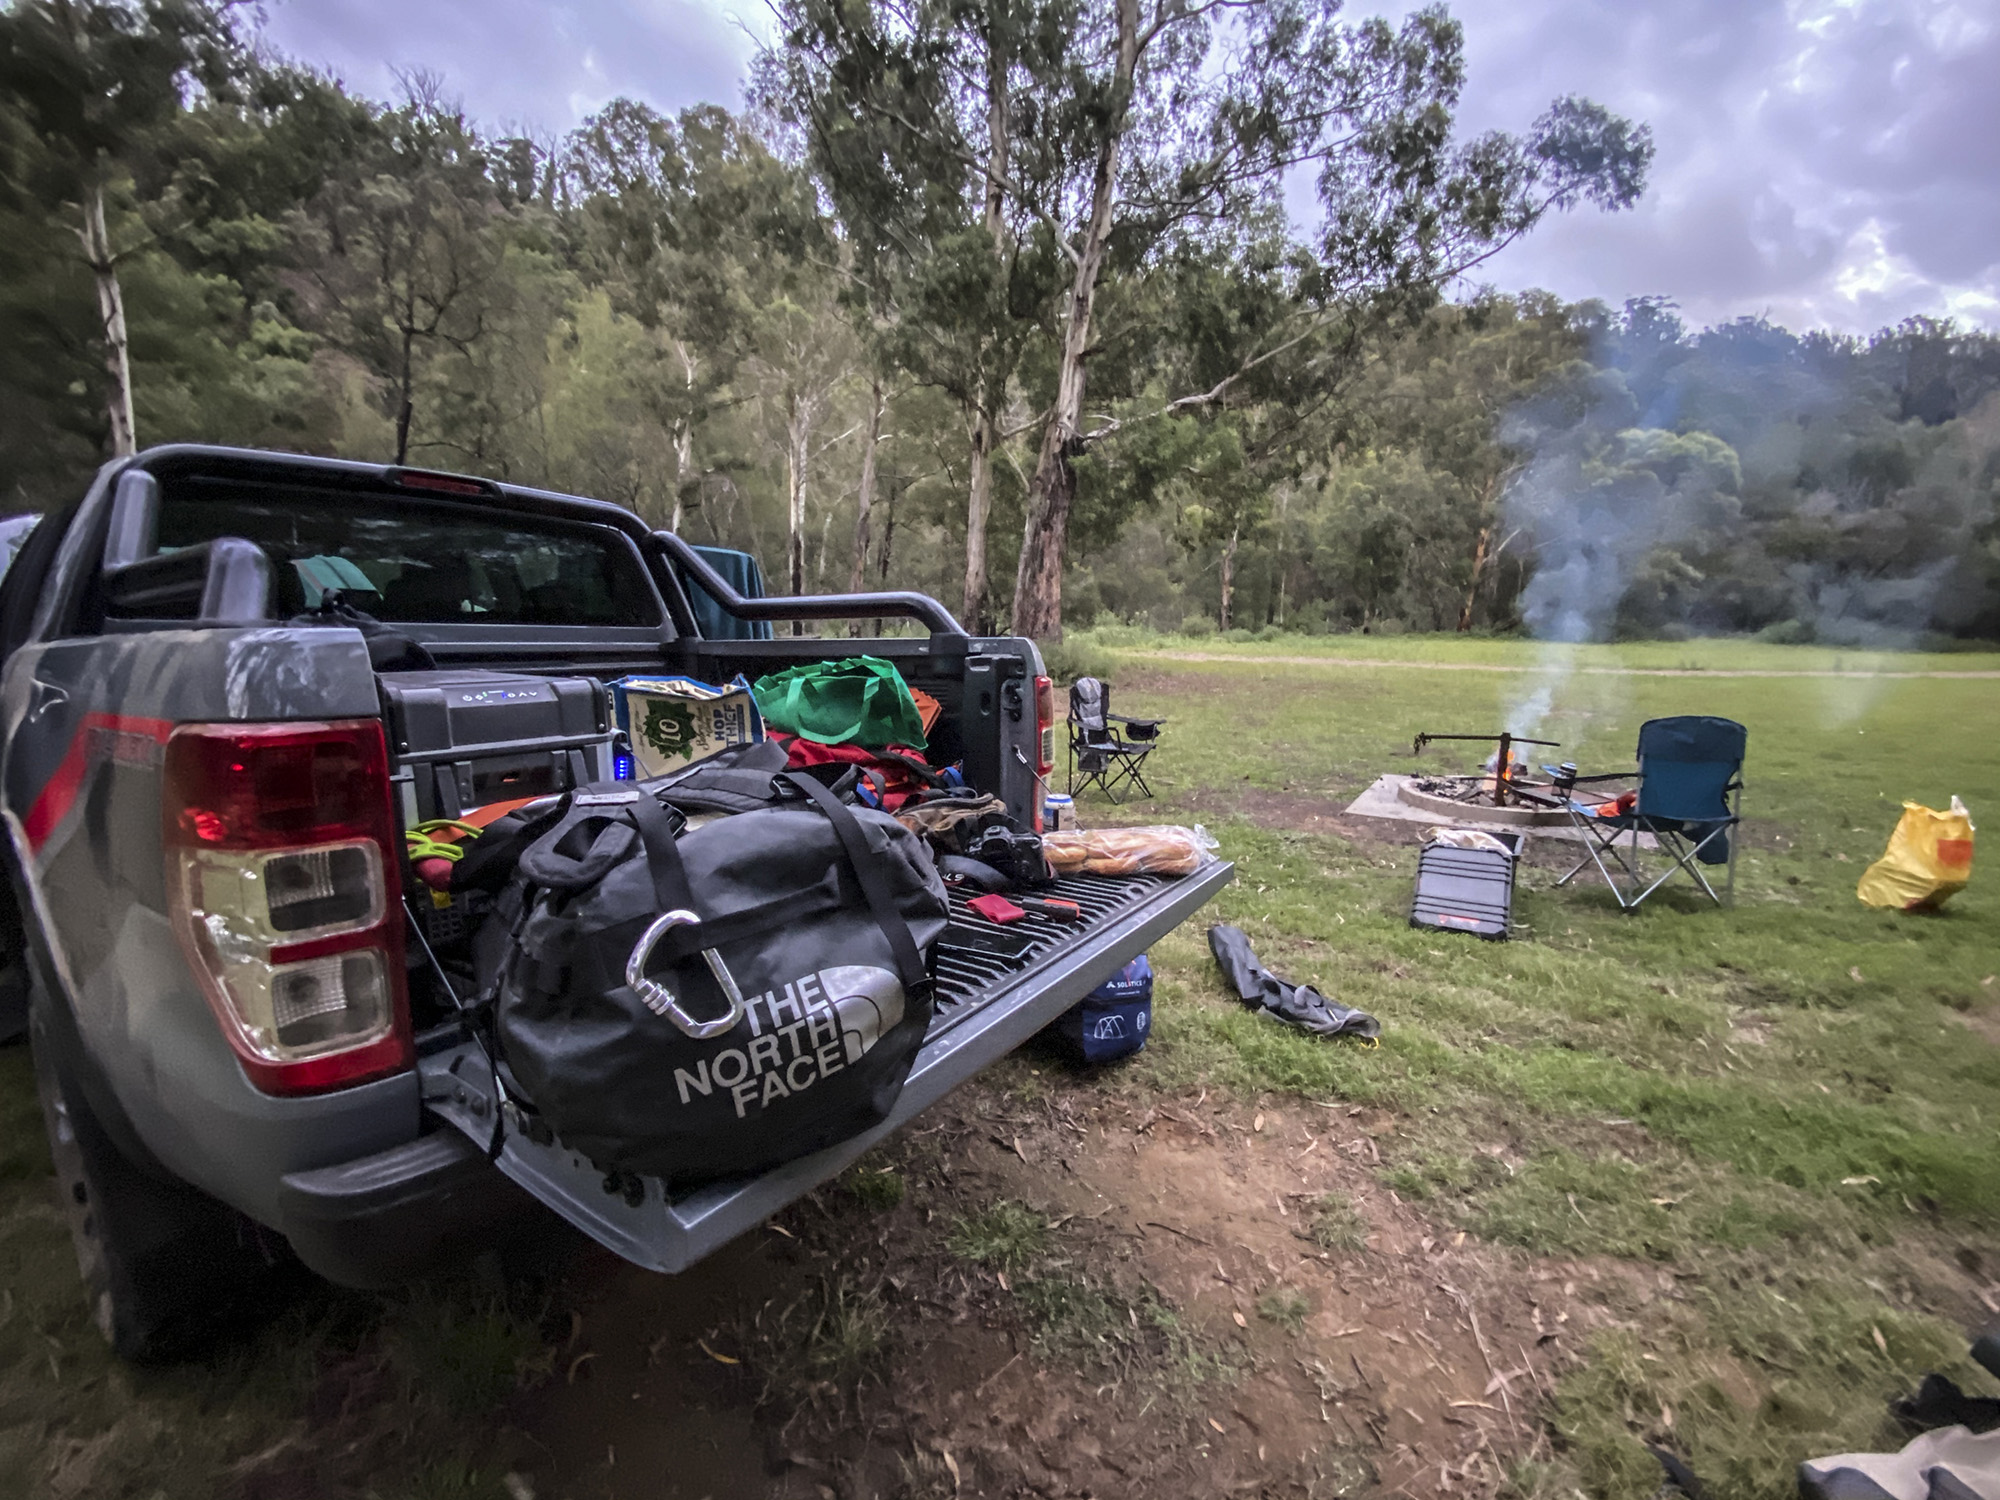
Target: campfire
{"x":1505,"y":781}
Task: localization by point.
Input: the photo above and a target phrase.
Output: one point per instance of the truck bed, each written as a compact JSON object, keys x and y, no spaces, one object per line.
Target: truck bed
{"x":986,"y":1007}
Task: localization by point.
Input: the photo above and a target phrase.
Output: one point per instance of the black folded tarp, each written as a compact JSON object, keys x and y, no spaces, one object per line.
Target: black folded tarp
{"x":1297,"y":1005}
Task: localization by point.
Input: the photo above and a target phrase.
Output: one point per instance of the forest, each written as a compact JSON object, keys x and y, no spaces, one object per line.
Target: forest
{"x":1162,"y":312}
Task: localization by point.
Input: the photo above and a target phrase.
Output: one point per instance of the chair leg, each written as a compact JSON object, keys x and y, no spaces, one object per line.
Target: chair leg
{"x":1735,"y":839}
{"x":1144,"y":790}
{"x":1596,"y":846}
{"x":1684,"y":857}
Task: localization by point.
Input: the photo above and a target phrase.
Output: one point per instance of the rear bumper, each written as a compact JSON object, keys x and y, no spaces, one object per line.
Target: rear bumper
{"x":401,"y":1213}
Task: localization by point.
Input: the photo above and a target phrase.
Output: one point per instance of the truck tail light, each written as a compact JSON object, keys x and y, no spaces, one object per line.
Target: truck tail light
{"x":1045,"y":726}
{"x":282,"y":881}
{"x":1045,"y":743}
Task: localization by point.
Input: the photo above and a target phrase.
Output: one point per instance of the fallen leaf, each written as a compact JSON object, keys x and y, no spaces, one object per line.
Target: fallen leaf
{"x":1241,"y":1322}
{"x":780,"y":1229}
{"x":1258,"y":1123}
{"x":1215,"y":1424}
{"x":1854,"y":973}
{"x":1858,"y":1181}
{"x":1666,"y":1416}
{"x":1499,"y":1381}
{"x":1880,"y":1342}
{"x":1482,"y":1405}
{"x":951,"y":1464}
{"x":721,"y":1359}
{"x":1001,"y":1277}
{"x":1987,"y":982}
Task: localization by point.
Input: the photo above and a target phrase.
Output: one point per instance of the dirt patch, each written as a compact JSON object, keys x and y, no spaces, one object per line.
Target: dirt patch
{"x":1185,"y":1326}
{"x":1380,"y":664}
{"x":1983,"y":1023}
{"x":1293,"y":812}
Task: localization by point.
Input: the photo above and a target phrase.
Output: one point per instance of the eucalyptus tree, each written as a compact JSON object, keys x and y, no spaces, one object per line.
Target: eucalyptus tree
{"x":1140,"y":127}
{"x":696,"y":228}
{"x":93,"y":85}
{"x":912,"y":114}
{"x":399,"y":255}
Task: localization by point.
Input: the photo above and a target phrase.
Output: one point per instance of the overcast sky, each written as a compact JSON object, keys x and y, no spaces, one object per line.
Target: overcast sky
{"x":1821,"y":162}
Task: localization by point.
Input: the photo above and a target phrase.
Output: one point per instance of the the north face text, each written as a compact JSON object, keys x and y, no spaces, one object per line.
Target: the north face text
{"x":809,"y":1030}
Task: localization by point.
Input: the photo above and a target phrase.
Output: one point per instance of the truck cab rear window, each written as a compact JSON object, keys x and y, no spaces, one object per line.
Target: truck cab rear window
{"x":422,"y":562}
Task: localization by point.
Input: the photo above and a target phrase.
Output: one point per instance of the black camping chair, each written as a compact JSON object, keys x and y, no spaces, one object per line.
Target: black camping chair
{"x":1690,"y":800}
{"x":1101,"y":754}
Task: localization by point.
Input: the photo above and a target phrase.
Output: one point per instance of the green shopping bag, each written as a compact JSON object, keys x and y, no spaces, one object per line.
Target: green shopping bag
{"x":859,"y":700}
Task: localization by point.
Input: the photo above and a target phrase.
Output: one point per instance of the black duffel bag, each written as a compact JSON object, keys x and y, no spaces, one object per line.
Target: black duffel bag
{"x":716,"y":1004}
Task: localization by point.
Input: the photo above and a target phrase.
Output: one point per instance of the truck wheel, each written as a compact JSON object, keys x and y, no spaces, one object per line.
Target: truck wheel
{"x":166,"y":1268}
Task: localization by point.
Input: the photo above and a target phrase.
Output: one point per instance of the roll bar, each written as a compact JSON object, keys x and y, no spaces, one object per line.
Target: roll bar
{"x":898,"y":602}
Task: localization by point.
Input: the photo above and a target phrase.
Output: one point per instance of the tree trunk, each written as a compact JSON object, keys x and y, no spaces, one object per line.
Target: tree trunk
{"x":1284,"y":499}
{"x":864,"y":500}
{"x":798,"y":430}
{"x":888,"y":541}
{"x":978,"y":506}
{"x":985,"y":432}
{"x":1229,"y":573}
{"x":406,"y":407}
{"x":683,"y":441}
{"x":865,"y":497}
{"x":111,"y":309}
{"x":683,"y":462}
{"x":1052,"y":492}
{"x":1478,"y":566}
{"x":825,"y":546}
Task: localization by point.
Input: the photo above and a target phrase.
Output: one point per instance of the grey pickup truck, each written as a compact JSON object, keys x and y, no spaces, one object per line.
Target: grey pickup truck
{"x":233,"y":680}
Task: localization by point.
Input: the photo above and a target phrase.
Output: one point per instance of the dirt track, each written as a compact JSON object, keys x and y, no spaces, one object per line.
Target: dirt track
{"x":1471,"y":666}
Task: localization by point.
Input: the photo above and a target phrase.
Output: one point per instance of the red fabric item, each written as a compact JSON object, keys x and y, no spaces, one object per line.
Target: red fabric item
{"x":897,"y":778}
{"x":996,"y":908}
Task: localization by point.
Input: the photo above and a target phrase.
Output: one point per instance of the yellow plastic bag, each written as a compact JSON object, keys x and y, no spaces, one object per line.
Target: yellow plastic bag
{"x":1929,"y":858}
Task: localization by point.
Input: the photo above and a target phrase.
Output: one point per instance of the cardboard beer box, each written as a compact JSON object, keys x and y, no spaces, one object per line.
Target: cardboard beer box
{"x":672,"y":722}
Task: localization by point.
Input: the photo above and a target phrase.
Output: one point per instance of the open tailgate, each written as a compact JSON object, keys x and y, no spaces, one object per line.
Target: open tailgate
{"x":986,"y":1007}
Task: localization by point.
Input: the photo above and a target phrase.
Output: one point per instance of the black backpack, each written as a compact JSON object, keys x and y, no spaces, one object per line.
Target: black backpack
{"x":712,"y":1004}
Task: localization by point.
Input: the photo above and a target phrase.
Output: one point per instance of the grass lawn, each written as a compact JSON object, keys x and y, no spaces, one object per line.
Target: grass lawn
{"x":1793,"y":1106}
{"x":1778,"y":1120}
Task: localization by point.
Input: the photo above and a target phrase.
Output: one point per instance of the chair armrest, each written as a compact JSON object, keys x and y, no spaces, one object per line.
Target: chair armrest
{"x":1128,"y":719}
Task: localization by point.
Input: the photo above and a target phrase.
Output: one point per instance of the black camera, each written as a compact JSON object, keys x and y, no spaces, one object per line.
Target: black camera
{"x":1018,"y":856}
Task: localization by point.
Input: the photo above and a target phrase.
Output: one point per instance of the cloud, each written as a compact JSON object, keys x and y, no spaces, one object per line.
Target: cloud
{"x":1823,"y":162}
{"x":526,"y":64}
{"x":1826,"y":162}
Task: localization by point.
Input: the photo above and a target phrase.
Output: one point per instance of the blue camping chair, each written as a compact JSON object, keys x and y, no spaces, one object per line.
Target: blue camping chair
{"x":1690,"y":801}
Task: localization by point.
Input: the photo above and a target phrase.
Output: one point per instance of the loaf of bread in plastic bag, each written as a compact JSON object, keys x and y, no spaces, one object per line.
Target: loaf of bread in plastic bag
{"x":1159,"y":850}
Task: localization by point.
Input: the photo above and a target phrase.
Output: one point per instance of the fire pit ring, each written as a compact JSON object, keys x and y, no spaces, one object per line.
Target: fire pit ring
{"x":1409,"y":793}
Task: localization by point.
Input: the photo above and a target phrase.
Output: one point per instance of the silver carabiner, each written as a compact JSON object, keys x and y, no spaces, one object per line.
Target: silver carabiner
{"x":662,"y":1001}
